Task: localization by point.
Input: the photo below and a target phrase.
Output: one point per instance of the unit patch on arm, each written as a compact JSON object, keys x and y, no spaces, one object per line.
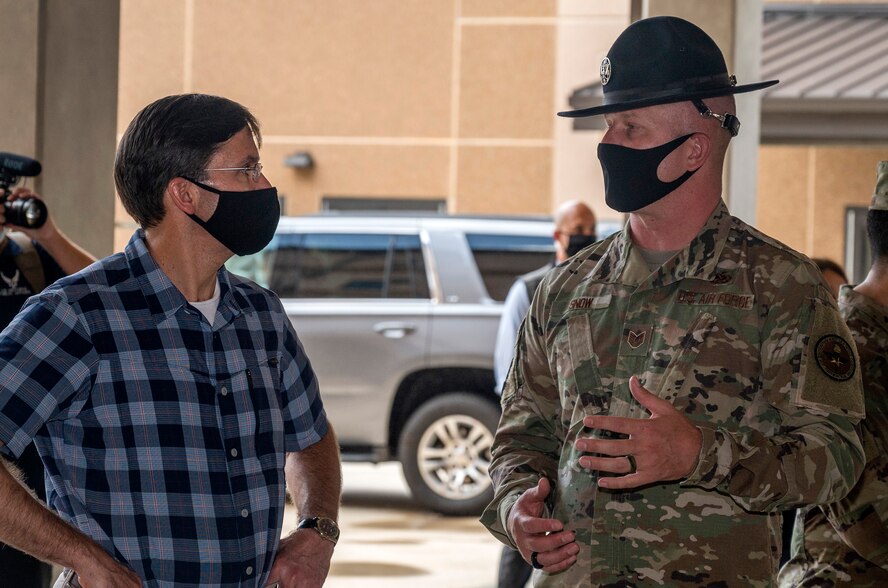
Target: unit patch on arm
{"x":829,"y":378}
{"x":835,"y":358}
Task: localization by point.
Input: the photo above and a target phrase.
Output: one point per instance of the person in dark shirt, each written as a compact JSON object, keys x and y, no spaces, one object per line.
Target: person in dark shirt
{"x":30,"y":259}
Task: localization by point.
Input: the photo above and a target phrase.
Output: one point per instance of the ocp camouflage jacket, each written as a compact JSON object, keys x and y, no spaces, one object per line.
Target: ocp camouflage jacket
{"x":846,"y":543}
{"x":741,"y":335}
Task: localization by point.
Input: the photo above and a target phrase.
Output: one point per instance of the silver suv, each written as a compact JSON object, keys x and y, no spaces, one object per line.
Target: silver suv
{"x":399,"y":317}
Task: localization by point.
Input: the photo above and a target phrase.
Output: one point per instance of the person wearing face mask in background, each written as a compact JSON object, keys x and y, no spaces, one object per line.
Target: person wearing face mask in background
{"x":679,"y":383}
{"x":170,"y":400}
{"x":574,"y":231}
{"x":30,"y":258}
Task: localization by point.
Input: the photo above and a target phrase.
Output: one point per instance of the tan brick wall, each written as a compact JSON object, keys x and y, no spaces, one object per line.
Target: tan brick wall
{"x":506,"y":81}
{"x":843,"y":176}
{"x":504,"y":180}
{"x":372,"y":171}
{"x":444,"y":99}
{"x":152,"y":46}
{"x":586,"y":31}
{"x":335,"y":68}
{"x":804,"y":192}
{"x":505,"y":8}
{"x":824,"y":2}
{"x":451,"y":99}
{"x":784,"y":177}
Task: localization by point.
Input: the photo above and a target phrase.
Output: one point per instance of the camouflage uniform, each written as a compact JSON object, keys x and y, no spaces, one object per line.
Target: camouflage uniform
{"x":847,"y":543}
{"x":740,"y":333}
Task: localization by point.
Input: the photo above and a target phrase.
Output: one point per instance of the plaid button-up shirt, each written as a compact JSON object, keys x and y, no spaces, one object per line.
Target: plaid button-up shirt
{"x":164,"y":438}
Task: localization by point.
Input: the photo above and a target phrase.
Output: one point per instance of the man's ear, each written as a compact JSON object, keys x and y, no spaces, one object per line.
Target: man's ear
{"x":182,"y":195}
{"x":701,"y":147}
{"x":559,"y":245}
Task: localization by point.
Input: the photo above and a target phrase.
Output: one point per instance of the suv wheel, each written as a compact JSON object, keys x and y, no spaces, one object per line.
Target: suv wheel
{"x":445,"y":452}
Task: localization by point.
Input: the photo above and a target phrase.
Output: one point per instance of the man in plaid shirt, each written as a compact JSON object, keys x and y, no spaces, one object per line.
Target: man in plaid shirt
{"x":169,"y":399}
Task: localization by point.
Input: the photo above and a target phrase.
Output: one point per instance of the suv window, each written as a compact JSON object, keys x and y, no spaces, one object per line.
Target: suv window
{"x":339,"y":265}
{"x":502,"y":258}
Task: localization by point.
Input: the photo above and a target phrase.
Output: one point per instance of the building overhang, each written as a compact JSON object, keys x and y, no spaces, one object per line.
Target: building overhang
{"x":832,"y":63}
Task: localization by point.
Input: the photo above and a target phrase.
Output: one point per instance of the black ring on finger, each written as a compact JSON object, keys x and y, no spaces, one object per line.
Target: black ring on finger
{"x":534,"y":561}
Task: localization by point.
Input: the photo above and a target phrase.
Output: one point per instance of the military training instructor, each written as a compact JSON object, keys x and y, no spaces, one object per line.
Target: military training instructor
{"x":679,"y":383}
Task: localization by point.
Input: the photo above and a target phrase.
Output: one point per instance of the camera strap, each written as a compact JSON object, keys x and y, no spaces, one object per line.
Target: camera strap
{"x":28,"y":261}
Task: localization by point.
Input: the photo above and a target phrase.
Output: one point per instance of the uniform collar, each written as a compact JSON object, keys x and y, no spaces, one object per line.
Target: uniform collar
{"x":850,"y":298}
{"x":623,"y":263}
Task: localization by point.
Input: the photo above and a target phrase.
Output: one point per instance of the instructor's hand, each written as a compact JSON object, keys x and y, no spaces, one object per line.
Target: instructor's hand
{"x":555,"y":548}
{"x":665,"y":446}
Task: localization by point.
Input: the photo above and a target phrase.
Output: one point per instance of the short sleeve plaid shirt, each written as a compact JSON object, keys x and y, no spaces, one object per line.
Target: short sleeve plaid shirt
{"x":164,"y":438}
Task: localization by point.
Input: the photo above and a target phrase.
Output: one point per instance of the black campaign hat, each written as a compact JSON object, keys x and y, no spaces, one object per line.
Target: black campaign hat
{"x":660,"y":60}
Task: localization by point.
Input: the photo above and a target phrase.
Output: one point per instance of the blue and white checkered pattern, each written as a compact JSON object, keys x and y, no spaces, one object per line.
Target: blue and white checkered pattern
{"x":164,"y":438}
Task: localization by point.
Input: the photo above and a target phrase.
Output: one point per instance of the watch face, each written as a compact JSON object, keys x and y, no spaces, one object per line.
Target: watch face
{"x":328,"y":528}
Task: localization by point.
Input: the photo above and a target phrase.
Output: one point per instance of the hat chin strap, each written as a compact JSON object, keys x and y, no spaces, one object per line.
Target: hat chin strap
{"x":728,"y":121}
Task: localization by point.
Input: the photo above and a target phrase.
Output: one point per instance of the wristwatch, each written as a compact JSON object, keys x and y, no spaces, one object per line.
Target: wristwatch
{"x":326,"y":528}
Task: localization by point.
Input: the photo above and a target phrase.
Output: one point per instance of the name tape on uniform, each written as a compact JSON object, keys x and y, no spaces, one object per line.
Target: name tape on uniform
{"x":739,"y":301}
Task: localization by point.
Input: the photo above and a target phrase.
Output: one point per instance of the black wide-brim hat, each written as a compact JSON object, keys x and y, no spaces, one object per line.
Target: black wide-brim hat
{"x":660,"y":60}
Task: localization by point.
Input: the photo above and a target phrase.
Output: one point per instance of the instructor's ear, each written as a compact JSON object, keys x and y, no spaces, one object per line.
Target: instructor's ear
{"x":700,"y":148}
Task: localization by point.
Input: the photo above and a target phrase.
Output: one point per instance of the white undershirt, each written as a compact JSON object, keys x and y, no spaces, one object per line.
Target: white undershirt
{"x":208,"y":307}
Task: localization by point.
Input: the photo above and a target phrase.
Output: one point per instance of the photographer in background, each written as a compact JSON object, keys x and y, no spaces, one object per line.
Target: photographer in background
{"x":30,"y":259}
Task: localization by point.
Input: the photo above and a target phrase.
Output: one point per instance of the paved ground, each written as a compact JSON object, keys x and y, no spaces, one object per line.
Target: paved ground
{"x":387,"y":541}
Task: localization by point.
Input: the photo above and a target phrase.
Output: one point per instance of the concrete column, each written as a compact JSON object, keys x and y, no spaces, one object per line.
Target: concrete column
{"x":18,"y":76}
{"x":736,"y":26}
{"x":586,"y":31}
{"x":58,"y":88}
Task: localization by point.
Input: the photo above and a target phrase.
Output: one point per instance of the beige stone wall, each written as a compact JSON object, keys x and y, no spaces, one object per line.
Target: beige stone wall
{"x":784,"y":194}
{"x":804,"y":192}
{"x":508,"y":8}
{"x":825,"y":2}
{"x":715,"y":17}
{"x":586,"y":30}
{"x":19,"y":90}
{"x":506,"y":81}
{"x":366,"y":170}
{"x":437,"y":99}
{"x":58,"y":98}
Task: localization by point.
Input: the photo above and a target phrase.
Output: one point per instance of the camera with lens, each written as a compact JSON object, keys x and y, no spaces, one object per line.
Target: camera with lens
{"x":29,"y":213}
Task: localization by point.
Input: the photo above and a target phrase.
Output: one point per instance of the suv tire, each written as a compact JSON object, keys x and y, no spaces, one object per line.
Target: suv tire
{"x":445,"y":453}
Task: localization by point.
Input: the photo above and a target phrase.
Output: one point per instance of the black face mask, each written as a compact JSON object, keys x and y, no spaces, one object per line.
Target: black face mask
{"x":577,"y":243}
{"x":243,"y":221}
{"x":630,"y":175}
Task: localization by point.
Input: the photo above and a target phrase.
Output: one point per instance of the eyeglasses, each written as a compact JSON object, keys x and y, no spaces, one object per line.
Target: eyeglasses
{"x":253,"y":172}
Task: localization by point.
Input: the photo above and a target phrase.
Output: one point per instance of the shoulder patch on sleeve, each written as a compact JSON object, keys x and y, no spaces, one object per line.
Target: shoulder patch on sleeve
{"x":830,"y":376}
{"x":835,"y":358}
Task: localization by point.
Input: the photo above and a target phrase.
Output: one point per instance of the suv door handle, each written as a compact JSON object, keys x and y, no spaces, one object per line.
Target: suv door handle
{"x":394,"y":330}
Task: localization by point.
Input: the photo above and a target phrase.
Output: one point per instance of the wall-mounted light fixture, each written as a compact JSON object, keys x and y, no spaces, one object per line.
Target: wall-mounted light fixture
{"x":300,"y":160}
